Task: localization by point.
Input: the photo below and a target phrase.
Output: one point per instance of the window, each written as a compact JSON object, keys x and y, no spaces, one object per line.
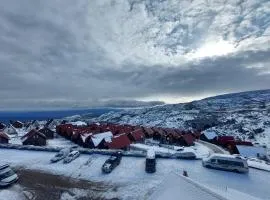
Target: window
{"x":223,"y":162}
{"x":232,"y":163}
{"x":213,"y":160}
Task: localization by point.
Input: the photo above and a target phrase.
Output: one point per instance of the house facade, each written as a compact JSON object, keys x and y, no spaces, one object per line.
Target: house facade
{"x":2,"y":126}
{"x":4,"y":139}
{"x":47,"y":132}
{"x":35,"y":138}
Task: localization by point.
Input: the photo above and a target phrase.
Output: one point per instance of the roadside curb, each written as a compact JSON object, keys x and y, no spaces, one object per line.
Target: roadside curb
{"x":133,"y":153}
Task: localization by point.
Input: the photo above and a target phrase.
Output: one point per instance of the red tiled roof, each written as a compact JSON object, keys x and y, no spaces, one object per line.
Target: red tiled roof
{"x":189,"y":139}
{"x":137,"y":135}
{"x":119,"y":142}
{"x":3,"y":135}
{"x":244,"y":143}
{"x":179,"y":131}
{"x":196,"y":133}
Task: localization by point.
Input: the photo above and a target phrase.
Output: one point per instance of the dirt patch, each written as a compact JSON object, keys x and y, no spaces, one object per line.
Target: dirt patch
{"x":38,"y":185}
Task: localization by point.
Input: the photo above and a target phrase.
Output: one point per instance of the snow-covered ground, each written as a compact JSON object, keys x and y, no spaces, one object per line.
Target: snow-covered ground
{"x":58,"y":141}
{"x":258,"y":164}
{"x":175,"y":185}
{"x":130,"y":175}
{"x":200,"y":150}
{"x":11,"y":194}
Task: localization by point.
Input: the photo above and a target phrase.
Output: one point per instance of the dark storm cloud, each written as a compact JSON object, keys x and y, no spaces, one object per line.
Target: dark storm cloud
{"x":66,"y":53}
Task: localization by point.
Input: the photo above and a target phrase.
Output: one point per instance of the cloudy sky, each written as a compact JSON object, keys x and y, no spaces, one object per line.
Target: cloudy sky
{"x":65,"y":52}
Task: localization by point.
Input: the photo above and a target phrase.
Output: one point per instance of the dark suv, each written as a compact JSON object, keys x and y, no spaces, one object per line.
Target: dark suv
{"x":112,"y":163}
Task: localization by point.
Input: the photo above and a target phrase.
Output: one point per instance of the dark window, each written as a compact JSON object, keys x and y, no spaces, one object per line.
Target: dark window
{"x":232,"y":163}
{"x":223,"y":162}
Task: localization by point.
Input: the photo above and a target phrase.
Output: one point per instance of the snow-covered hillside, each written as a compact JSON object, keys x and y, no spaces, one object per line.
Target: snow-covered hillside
{"x":246,"y":115}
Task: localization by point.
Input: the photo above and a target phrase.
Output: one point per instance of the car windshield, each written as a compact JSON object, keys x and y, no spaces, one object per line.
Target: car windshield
{"x":59,"y":155}
{"x":113,"y":158}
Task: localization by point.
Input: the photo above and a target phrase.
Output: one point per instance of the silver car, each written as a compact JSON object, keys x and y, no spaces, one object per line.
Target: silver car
{"x":60,"y":155}
{"x":71,"y":156}
{"x":7,"y":176}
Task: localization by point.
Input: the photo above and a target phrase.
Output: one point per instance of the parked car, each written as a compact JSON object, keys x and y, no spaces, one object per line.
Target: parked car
{"x":112,"y":163}
{"x":60,"y":155}
{"x":7,"y":176}
{"x":226,"y":162}
{"x":185,"y":155}
{"x":71,"y":156}
{"x":150,"y":162}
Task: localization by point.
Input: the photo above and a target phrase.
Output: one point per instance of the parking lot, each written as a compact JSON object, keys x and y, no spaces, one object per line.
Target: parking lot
{"x":36,"y":185}
{"x":129,"y":180}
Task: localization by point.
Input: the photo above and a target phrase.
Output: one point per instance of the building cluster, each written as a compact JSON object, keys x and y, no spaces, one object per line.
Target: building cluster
{"x":115,"y":136}
{"x":235,"y":146}
{"x":35,"y":135}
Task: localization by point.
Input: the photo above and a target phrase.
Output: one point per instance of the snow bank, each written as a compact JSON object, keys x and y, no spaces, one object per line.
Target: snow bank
{"x":13,"y":193}
{"x":175,"y":185}
{"x":200,"y":150}
{"x":258,"y":164}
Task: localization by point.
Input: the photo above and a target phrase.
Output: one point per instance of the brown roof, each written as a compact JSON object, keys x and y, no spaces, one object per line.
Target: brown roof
{"x":158,"y":130}
{"x":2,"y":125}
{"x":149,"y":131}
{"x":45,"y":128}
{"x":31,"y":134}
{"x":3,"y":135}
{"x":119,"y":142}
{"x":179,"y":131}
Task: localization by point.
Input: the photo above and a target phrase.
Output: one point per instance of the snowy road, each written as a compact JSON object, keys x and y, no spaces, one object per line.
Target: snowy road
{"x":130,"y":175}
{"x":214,"y":148}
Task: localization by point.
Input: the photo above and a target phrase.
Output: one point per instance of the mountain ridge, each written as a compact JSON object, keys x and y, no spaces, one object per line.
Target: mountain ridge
{"x":245,"y":115}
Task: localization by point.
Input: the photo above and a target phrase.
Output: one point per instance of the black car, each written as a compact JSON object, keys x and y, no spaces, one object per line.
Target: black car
{"x":150,"y":162}
{"x":112,"y":163}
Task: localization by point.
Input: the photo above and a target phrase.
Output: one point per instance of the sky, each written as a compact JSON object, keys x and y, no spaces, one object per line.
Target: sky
{"x":57,"y":53}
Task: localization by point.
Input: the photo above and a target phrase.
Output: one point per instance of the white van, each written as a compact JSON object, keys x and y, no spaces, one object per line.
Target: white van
{"x":226,"y":162}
